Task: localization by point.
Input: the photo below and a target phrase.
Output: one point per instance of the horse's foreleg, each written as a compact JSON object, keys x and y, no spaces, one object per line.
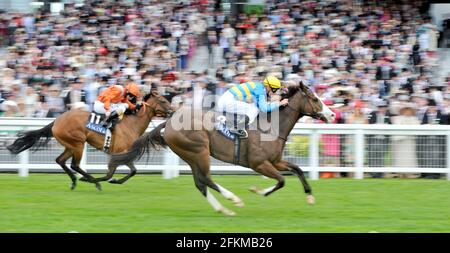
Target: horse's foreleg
{"x":296,"y":170}
{"x":133,"y":171}
{"x":267,"y":169}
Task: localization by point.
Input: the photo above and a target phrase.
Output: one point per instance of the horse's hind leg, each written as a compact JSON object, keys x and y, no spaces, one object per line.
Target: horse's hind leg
{"x":222,"y":190}
{"x":61,"y":160}
{"x":267,"y":169}
{"x":230,"y":196}
{"x":199,"y":162}
{"x":285,"y":165}
{"x":133,"y":171}
{"x":75,"y":165}
{"x":111,"y":170}
{"x":202,"y":182}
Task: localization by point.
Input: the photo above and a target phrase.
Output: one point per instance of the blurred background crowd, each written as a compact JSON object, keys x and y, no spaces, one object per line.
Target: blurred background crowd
{"x":372,"y":62}
{"x":359,"y":56}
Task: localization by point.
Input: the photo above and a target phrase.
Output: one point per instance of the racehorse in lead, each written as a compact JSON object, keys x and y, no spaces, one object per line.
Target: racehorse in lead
{"x":70,"y":131}
{"x":196,"y":145}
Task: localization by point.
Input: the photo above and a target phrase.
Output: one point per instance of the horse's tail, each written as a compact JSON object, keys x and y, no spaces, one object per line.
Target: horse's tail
{"x":141,"y":146}
{"x":30,"y":139}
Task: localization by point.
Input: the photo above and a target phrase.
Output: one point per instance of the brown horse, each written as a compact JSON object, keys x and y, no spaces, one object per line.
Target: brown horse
{"x":70,"y":131}
{"x":265,"y":157}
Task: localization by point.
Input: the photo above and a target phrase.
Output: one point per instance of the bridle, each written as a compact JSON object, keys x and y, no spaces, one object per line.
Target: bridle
{"x":145,"y":104}
{"x":305,"y":102}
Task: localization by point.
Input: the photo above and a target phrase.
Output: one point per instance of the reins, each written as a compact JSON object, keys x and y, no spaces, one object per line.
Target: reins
{"x":144,"y":105}
{"x":305,"y":101}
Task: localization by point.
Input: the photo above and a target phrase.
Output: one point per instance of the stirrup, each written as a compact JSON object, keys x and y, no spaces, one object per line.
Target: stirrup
{"x":242,"y":133}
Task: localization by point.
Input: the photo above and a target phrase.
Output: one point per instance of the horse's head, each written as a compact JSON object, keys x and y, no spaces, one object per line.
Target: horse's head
{"x":159,"y":104}
{"x":302,"y":99}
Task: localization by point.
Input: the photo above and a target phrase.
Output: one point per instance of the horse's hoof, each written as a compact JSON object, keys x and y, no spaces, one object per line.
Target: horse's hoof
{"x":256,"y":190}
{"x":98,"y":186}
{"x":238,"y":202}
{"x":310,"y":199}
{"x":73,"y":186}
{"x":226,"y":212}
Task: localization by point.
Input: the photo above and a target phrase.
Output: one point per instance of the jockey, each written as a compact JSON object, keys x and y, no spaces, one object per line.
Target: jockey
{"x":249,"y":98}
{"x":115,"y":100}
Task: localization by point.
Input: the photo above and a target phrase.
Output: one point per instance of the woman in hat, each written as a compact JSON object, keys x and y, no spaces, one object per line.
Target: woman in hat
{"x":404,"y":147}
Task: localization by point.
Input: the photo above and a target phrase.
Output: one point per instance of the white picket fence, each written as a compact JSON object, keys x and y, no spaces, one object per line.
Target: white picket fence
{"x":167,"y":163}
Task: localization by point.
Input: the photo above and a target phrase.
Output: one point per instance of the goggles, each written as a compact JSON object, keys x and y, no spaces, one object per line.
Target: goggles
{"x":274,"y":90}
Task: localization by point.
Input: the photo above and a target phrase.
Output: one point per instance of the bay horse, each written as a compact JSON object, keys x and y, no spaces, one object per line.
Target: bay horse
{"x":70,"y":131}
{"x":265,"y":157}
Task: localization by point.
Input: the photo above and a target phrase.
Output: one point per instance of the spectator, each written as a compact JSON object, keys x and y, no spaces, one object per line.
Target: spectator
{"x":378,"y":144}
{"x":404,"y":147}
{"x":54,"y":103}
{"x":75,"y":97}
{"x":31,"y":99}
{"x":345,"y":53}
{"x":431,"y":149}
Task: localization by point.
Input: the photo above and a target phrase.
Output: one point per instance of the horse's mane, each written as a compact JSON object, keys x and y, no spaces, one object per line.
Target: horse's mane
{"x":292,"y":90}
{"x":146,"y":97}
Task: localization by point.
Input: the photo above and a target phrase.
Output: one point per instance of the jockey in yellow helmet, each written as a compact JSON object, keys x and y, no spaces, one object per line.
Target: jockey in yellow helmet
{"x":251,"y":97}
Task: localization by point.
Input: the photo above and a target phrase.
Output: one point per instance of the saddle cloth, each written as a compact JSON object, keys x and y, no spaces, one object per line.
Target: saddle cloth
{"x":95,"y":123}
{"x":225,"y":122}
{"x":224,"y":130}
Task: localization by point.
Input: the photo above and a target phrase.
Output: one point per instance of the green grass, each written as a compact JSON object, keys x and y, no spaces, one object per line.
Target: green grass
{"x":148,"y":203}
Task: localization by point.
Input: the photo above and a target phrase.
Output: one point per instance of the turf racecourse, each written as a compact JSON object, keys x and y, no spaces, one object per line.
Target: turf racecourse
{"x":148,"y":203}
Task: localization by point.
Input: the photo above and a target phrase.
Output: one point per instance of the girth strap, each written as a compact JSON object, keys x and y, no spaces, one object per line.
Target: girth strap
{"x":237,"y":150}
{"x":107,"y":142}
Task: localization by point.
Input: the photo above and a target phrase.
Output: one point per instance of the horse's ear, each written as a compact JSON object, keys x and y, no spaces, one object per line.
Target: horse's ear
{"x":301,"y":85}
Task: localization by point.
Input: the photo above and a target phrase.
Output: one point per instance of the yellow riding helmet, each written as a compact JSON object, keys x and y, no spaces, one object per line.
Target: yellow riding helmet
{"x":272,"y":82}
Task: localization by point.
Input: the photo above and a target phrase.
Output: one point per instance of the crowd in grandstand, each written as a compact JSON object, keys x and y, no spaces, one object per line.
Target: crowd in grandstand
{"x":356,"y":57}
{"x":372,"y":63}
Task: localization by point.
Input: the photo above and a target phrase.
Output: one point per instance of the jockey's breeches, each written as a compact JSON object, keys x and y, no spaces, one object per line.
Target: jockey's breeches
{"x":99,"y":107}
{"x":228,"y":103}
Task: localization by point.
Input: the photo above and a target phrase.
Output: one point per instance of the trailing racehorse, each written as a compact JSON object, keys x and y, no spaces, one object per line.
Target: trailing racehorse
{"x":196,"y":144}
{"x":70,"y":131}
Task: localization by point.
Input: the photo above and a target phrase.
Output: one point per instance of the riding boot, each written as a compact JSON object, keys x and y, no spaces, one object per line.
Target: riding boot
{"x":108,"y":123}
{"x":240,"y":127}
